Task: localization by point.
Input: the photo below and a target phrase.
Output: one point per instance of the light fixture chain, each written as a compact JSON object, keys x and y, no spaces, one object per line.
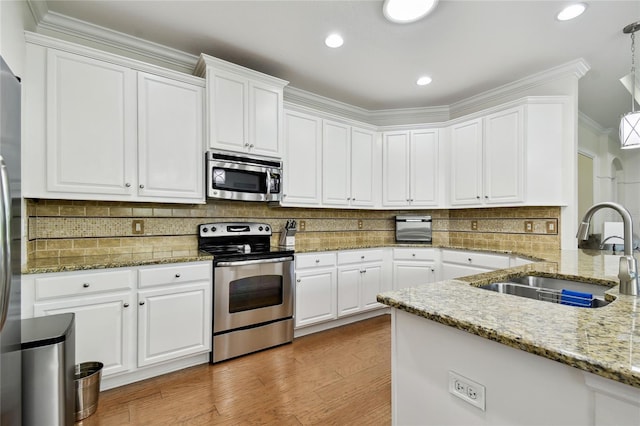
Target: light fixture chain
{"x":633,"y":71}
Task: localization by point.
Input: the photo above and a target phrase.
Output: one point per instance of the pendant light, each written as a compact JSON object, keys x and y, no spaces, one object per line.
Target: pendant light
{"x":630,"y":122}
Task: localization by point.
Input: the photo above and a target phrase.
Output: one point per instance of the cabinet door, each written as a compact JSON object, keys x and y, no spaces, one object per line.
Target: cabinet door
{"x":315,"y":296}
{"x":424,"y":168}
{"x":349,"y":290}
{"x":265,"y":120}
{"x":452,"y":271}
{"x":170,"y":142}
{"x":91,"y":125}
{"x":503,"y":156}
{"x":103,"y":329}
{"x":363,"y":143}
{"x":173,"y":322}
{"x":371,"y":285}
{"x":302,"y":160}
{"x":228,"y":111}
{"x":412,"y":274}
{"x":395,"y":174}
{"x":466,"y":163}
{"x":336,"y":159}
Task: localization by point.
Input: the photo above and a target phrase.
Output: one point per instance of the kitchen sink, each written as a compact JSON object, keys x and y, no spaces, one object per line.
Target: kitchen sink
{"x":554,"y":290}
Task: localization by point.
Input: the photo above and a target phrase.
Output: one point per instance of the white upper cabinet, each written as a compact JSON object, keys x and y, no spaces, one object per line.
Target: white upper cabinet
{"x":245,"y":108}
{"x":348,"y":156}
{"x":302,"y":161}
{"x":101,"y":128}
{"x":487,"y":159}
{"x":410,"y":168}
{"x":90,"y":125}
{"x":170,"y":135}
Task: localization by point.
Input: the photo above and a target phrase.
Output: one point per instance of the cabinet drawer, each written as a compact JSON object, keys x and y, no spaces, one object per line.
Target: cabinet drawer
{"x":174,"y":274}
{"x":485,"y":260}
{"x":313,"y":260}
{"x":73,"y":284}
{"x":413,"y":253}
{"x":356,"y":256}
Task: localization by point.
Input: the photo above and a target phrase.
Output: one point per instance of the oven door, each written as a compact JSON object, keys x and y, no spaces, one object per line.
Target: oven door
{"x":239,"y":181}
{"x":252,"y":292}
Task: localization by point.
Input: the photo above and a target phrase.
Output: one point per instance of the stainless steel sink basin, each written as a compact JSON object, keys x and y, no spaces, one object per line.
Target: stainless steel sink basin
{"x":551,"y":290}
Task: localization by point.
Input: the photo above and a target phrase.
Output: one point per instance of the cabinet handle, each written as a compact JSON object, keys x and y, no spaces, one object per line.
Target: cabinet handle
{"x":141,"y":303}
{"x":128,"y":185}
{"x":85,"y":285}
{"x":126,"y":305}
{"x":177,"y":275}
{"x":141,"y":186}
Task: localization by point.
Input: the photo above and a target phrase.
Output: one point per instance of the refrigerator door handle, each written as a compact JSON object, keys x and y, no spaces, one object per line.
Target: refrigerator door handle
{"x":5,"y":255}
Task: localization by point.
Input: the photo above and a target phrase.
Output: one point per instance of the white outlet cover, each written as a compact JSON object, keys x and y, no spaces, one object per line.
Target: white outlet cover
{"x":467,"y":390}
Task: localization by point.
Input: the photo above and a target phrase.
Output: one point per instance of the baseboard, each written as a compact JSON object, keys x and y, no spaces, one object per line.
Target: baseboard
{"x":315,"y":328}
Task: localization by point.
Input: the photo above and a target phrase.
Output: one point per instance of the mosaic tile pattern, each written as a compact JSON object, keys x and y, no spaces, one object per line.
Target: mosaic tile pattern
{"x":61,"y":228}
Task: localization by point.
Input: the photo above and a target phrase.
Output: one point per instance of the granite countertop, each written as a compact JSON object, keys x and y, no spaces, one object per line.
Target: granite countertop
{"x":81,"y":263}
{"x":604,"y":341}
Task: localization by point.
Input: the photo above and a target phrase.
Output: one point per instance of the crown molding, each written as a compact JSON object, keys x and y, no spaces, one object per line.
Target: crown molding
{"x":155,"y":52}
{"x":38,"y":8}
{"x":593,"y":125}
{"x":576,"y":68}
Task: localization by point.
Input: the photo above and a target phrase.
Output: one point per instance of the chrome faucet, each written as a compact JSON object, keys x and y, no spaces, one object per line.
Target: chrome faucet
{"x":607,"y":239}
{"x":628,"y":271}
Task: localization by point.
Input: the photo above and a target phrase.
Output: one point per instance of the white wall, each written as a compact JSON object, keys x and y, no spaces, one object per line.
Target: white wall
{"x":15,"y":18}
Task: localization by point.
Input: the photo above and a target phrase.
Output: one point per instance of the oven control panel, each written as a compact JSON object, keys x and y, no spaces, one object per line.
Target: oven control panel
{"x":228,"y":229}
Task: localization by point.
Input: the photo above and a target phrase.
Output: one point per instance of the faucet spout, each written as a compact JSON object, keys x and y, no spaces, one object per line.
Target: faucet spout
{"x":628,"y":272}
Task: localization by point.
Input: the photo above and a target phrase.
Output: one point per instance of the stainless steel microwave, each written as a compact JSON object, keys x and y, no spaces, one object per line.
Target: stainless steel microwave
{"x":239,"y":177}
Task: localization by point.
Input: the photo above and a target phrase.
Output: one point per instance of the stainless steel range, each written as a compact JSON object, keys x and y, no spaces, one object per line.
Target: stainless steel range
{"x":252,"y":288}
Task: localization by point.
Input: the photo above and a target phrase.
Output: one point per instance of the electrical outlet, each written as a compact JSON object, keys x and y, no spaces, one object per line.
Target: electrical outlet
{"x":474,"y":225}
{"x":551,"y":227}
{"x":359,"y":223}
{"x":467,"y":390}
{"x":137,"y":227}
{"x":303,"y":225}
{"x":528,"y":226}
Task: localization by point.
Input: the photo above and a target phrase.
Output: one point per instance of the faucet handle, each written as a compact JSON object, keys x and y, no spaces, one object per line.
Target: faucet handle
{"x":628,"y":275}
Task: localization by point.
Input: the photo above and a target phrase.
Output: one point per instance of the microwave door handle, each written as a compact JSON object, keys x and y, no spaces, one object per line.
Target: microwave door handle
{"x":268,"y":183}
{"x":5,"y":255}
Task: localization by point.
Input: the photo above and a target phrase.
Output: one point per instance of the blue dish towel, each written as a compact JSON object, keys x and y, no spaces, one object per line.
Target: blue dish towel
{"x":576,"y":298}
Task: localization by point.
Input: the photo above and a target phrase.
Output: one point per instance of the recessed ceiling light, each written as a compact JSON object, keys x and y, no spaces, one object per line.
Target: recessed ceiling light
{"x":406,"y":11}
{"x":334,"y":40}
{"x":571,"y":11}
{"x":423,"y":81}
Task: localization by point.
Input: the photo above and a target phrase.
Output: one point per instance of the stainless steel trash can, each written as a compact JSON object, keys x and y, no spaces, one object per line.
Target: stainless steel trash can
{"x":48,"y":365}
{"x":87,"y":380}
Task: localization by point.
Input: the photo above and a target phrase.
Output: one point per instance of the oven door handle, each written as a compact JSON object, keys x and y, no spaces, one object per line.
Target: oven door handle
{"x":255,"y":262}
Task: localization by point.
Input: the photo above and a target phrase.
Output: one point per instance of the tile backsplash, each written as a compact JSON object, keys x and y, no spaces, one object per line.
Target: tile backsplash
{"x":61,"y":228}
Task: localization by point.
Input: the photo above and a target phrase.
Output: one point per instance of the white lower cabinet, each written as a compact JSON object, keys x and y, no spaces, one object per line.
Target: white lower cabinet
{"x":174,"y":318}
{"x":413,"y":267}
{"x":103,"y":326}
{"x":165,"y":309}
{"x":460,"y":263}
{"x":315,"y":296}
{"x":360,"y":279}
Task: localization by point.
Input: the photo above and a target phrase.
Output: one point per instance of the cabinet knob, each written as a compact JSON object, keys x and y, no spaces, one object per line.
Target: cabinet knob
{"x":177,"y":275}
{"x":477,"y":197}
{"x":413,"y":254}
{"x":284,"y":195}
{"x":407,"y":200}
{"x":353,"y":199}
{"x":317,"y":260}
{"x":126,"y":305}
{"x":433,"y":269}
{"x":141,"y":303}
{"x":348,"y":198}
{"x":85,"y":285}
{"x":469,"y":259}
{"x":141,"y":186}
{"x":128,"y":185}
{"x":411,"y":200}
{"x":246,"y":145}
{"x":298,"y":280}
{"x":486,"y":197}
{"x":251,"y":146}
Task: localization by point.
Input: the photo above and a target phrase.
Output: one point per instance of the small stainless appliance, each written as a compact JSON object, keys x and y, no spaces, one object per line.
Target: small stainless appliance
{"x":252,"y":288}
{"x":237,"y":177}
{"x":413,"y":229}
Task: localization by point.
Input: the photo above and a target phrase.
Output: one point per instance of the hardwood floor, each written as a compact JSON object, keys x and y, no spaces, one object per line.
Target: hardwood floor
{"x":337,"y":377}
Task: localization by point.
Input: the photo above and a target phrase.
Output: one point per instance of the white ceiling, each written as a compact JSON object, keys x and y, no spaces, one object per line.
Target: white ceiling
{"x":467,"y":47}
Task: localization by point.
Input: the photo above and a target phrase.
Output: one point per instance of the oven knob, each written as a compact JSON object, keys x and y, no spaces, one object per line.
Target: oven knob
{"x":213,"y":229}
{"x":266,"y":228}
{"x":260,"y":228}
{"x":205,"y":230}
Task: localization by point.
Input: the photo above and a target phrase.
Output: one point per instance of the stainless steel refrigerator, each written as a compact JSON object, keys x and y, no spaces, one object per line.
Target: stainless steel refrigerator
{"x":10,"y":265}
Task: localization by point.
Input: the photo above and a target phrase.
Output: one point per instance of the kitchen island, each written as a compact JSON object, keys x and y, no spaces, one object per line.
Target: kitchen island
{"x":540,"y":363}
